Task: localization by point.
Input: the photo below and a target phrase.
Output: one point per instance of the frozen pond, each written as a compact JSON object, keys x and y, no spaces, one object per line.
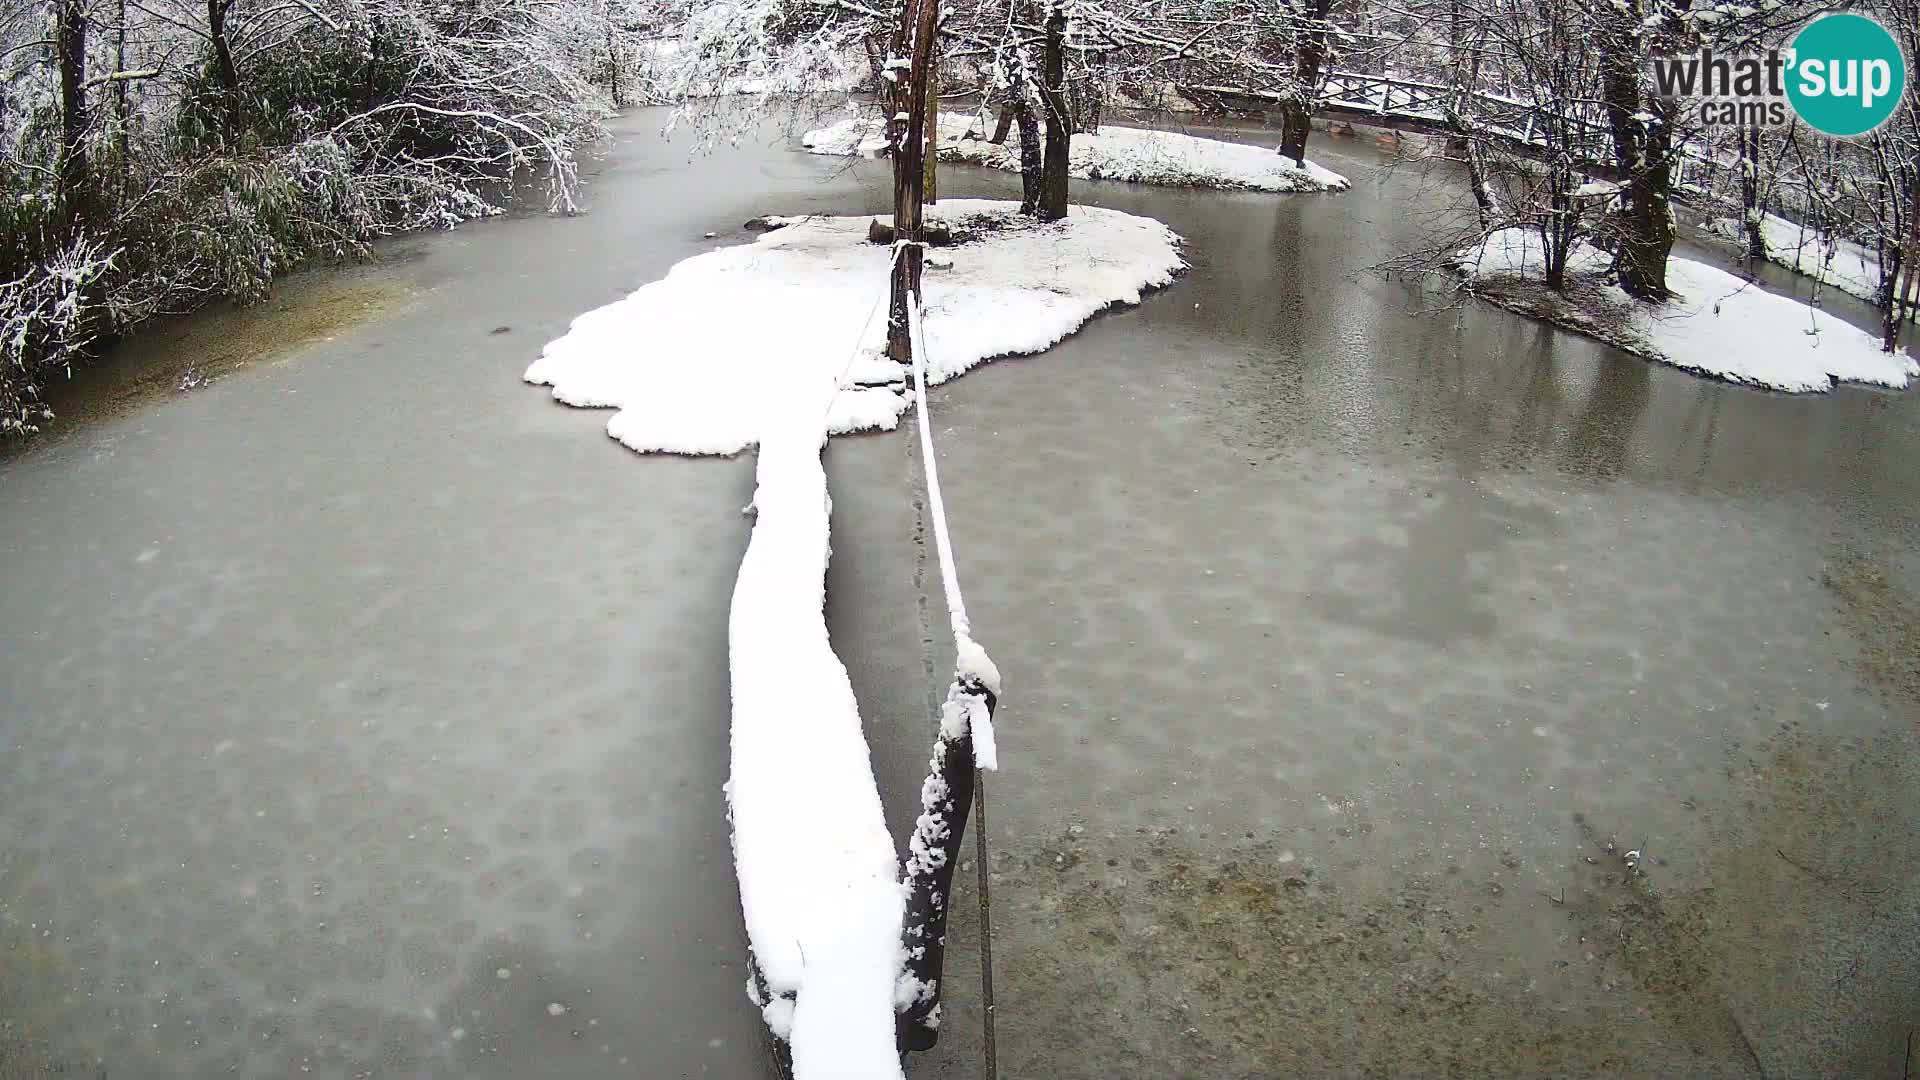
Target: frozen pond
{"x":365,"y":712}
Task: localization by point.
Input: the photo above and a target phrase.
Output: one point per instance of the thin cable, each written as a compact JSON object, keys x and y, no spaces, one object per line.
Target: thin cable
{"x":986,"y":922}
{"x":962,"y":637}
{"x":949,"y":577}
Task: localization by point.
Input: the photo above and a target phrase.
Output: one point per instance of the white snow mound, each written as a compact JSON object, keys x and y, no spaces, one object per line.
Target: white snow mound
{"x":705,"y":359}
{"x":1136,"y":155}
{"x":1717,"y":324}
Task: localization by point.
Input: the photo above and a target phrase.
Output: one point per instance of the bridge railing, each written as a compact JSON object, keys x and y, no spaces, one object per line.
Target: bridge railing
{"x":1387,"y":95}
{"x":1534,"y":128}
{"x":1530,"y":123}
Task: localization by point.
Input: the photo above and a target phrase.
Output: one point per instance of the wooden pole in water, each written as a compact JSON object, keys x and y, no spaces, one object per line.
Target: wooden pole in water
{"x":946,"y":800}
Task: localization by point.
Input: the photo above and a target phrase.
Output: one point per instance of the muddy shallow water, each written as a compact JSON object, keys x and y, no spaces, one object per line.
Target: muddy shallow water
{"x":179,"y":355}
{"x":365,"y":711}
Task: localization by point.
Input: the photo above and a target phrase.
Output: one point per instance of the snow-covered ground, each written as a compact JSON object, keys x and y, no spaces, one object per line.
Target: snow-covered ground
{"x":1852,"y":268}
{"x":1717,"y":324}
{"x":1137,"y":155}
{"x":769,"y":344}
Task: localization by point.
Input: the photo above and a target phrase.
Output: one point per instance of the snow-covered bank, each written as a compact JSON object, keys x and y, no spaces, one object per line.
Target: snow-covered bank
{"x":772,"y":344}
{"x":1136,"y":155}
{"x":1717,"y":324}
{"x":1843,"y":264}
{"x":705,"y":359}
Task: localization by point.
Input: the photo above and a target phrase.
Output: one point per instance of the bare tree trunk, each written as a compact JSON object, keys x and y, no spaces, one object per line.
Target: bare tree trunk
{"x":224,"y":71}
{"x":1642,"y":130}
{"x":1556,"y":269}
{"x":1894,"y":313}
{"x":616,"y":84}
{"x":373,"y":66}
{"x":1295,"y":123}
{"x":1030,"y":159}
{"x":1904,"y":276}
{"x":1002,"y":125}
{"x":914,"y":40}
{"x":75,"y":179}
{"x":1750,"y":192}
{"x":1650,"y":206}
{"x":1554,"y":253}
{"x":1310,"y":54}
{"x":1053,"y":99}
{"x":1466,"y":77}
{"x":122,"y":112}
{"x":1480,"y":182}
{"x":932,"y":147}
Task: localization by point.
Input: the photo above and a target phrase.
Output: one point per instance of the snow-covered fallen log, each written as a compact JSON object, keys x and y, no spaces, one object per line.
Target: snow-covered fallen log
{"x":818,"y":879}
{"x":773,"y":344}
{"x":1136,"y":155}
{"x":1716,"y":324}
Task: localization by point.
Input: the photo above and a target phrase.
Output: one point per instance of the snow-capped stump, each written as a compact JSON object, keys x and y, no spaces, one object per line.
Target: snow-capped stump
{"x":1717,"y":324}
{"x":703,"y":360}
{"x":1134,"y":155}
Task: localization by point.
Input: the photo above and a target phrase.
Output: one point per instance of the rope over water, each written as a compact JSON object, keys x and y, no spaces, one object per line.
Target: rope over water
{"x":972,"y":671}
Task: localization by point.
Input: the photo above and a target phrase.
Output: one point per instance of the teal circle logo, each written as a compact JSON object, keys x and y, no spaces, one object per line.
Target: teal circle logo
{"x":1848,"y":75}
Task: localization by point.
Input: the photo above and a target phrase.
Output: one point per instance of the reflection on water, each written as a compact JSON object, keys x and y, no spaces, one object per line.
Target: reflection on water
{"x":1351,"y":624}
{"x":1435,"y":567}
{"x":1333,"y":350}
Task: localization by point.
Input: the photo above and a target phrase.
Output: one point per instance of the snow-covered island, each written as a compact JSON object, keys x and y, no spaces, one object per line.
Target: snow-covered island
{"x":1135,"y":155}
{"x":691,"y":373}
{"x":1717,"y":324}
{"x":777,"y":344}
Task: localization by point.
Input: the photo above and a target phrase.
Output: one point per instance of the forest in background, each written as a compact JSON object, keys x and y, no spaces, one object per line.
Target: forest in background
{"x":160,"y":154}
{"x":156,"y":155}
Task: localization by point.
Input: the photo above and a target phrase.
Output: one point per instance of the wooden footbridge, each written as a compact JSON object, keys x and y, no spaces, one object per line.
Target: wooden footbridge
{"x":1529,"y":128}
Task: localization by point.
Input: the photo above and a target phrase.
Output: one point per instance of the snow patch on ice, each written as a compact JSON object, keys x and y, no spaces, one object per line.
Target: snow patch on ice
{"x":1716,"y":324}
{"x":1136,"y":155}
